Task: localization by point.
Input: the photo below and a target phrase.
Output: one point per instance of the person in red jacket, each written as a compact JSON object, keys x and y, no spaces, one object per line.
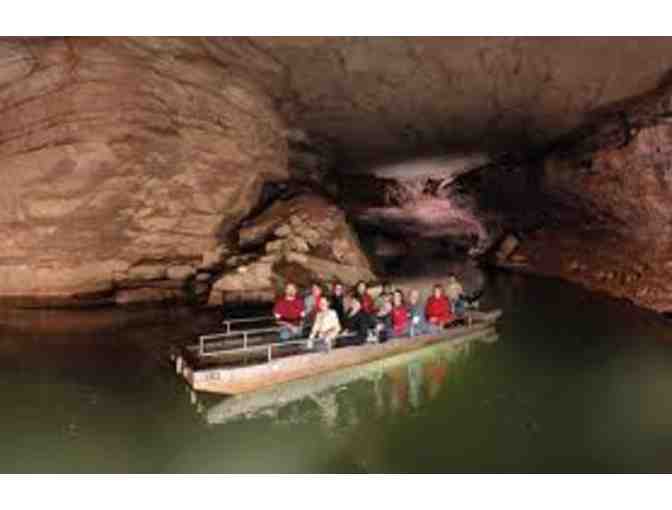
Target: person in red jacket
{"x":438,"y":309}
{"x":400,"y":317}
{"x":362,"y":293}
{"x":289,"y":311}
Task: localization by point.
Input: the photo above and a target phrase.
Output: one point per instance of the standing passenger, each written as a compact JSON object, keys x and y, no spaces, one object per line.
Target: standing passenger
{"x":289,"y":312}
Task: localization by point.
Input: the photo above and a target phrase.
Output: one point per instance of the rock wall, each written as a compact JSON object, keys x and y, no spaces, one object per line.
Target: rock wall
{"x":610,"y":186}
{"x":302,"y":239}
{"x":126,"y":163}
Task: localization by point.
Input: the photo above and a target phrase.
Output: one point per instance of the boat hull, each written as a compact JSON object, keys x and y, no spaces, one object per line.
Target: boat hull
{"x":234,"y":381}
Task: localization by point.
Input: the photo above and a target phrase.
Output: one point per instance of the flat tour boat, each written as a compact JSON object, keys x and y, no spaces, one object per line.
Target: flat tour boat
{"x":236,"y":362}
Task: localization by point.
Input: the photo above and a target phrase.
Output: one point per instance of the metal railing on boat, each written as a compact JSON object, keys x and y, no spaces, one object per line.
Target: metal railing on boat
{"x":228,"y":323}
{"x":268,"y":347}
{"x":234,"y":336}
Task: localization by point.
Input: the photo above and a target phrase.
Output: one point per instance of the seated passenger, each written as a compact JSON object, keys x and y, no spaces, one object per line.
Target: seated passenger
{"x":399,"y":315}
{"x":455,"y":293}
{"x":337,"y":300}
{"x":312,"y":304}
{"x":365,"y":299}
{"x":384,"y":319}
{"x":289,"y":312}
{"x":416,"y":314}
{"x":438,"y":310}
{"x":357,"y":323}
{"x":326,"y":326}
{"x":386,"y":290}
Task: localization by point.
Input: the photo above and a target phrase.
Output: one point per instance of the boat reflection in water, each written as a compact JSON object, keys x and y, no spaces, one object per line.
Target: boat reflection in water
{"x":385,"y":387}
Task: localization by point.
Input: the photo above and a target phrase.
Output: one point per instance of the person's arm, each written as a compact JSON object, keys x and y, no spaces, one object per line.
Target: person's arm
{"x":316,"y":326}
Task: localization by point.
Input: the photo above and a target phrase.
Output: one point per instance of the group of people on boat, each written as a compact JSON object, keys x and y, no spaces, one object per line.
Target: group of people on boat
{"x":338,"y":318}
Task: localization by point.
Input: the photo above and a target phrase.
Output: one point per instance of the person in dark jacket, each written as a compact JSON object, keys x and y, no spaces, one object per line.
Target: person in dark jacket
{"x":337,"y":300}
{"x":357,"y":322}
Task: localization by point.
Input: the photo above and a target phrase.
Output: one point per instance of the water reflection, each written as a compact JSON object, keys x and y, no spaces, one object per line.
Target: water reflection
{"x":344,"y":399}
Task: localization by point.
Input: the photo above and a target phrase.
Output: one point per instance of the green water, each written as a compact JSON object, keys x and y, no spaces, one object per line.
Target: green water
{"x":576,"y":382}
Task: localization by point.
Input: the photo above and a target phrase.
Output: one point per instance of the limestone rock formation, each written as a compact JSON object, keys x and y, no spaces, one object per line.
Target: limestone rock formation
{"x":611,"y":183}
{"x":124,"y":160}
{"x":303,"y":239}
{"x":129,"y":164}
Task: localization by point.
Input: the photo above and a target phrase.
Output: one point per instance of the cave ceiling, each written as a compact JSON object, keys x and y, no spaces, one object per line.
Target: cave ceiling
{"x":387,"y":98}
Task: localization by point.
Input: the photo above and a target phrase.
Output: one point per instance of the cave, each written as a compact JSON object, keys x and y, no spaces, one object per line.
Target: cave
{"x":154,"y":188}
{"x":144,"y":169}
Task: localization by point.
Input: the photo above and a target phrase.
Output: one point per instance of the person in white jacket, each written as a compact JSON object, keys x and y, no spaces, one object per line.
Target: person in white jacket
{"x":326,"y":326}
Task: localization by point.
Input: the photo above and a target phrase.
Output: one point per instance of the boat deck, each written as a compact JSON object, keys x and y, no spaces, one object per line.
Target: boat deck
{"x":263,"y":362}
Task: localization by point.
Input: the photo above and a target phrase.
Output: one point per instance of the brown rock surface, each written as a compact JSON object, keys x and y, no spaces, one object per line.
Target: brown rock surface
{"x":306,"y":238}
{"x":614,"y":181}
{"x":120,"y":154}
{"x":123,"y":152}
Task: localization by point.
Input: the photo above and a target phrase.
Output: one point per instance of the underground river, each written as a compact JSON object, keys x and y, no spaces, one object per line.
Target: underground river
{"x":576,"y":382}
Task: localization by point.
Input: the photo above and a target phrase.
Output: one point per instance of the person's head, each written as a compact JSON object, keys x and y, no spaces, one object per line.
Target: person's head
{"x":360,"y":287}
{"x":387,"y":287}
{"x":438,"y":290}
{"x":316,"y":289}
{"x":398,"y":298}
{"x":324,"y":303}
{"x":387,"y":298}
{"x":338,"y":289}
{"x":414,"y":296}
{"x":290,"y":290}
